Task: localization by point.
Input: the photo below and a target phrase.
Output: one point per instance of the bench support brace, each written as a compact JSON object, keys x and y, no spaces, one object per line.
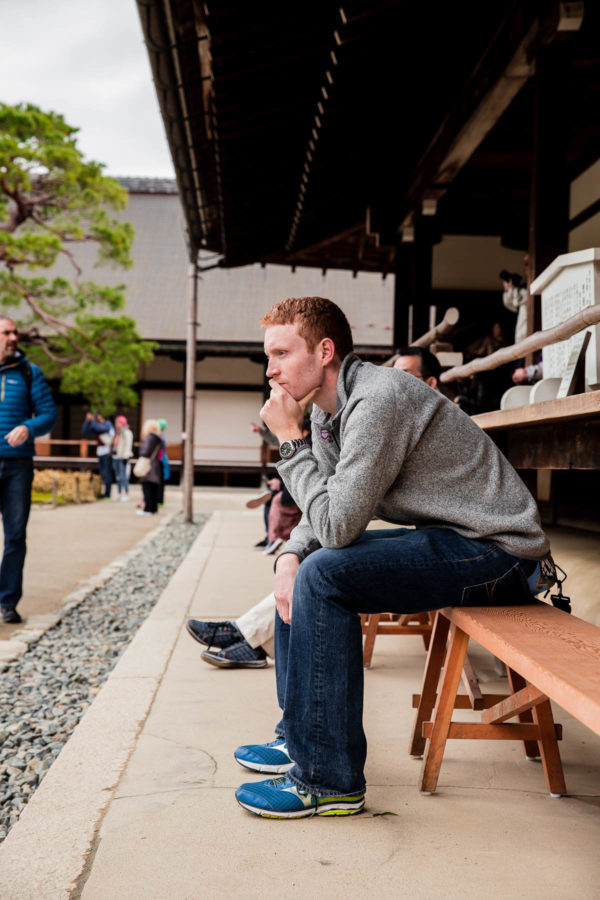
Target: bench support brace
{"x":433,"y":722}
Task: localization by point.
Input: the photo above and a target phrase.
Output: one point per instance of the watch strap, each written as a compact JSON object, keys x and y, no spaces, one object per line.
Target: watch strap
{"x":296,"y":444}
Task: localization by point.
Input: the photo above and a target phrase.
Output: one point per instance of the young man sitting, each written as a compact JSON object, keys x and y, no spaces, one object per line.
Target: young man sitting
{"x":383,"y":444}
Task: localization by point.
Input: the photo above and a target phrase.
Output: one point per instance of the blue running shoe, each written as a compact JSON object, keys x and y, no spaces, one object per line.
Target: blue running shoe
{"x":280,"y":798}
{"x":272,"y":758}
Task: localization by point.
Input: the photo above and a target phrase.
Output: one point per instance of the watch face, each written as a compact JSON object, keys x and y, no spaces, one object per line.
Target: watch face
{"x":286,"y":449}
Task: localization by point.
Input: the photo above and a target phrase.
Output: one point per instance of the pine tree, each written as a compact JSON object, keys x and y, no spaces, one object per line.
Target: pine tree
{"x":51,"y":200}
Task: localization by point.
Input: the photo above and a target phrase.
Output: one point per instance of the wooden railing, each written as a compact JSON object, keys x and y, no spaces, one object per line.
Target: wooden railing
{"x":87,"y":449}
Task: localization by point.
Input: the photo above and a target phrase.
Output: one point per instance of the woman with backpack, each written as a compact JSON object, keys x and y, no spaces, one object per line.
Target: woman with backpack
{"x":148,"y":467}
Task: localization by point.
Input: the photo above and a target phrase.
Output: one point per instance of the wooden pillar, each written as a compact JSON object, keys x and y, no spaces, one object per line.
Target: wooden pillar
{"x":190,"y":397}
{"x":412,"y":293}
{"x":549,"y":200}
{"x":423,"y":260}
{"x":403,"y":292}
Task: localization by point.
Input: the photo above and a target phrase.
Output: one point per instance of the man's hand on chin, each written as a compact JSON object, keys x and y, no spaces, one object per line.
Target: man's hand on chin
{"x":285,"y":575}
{"x":282,"y":414}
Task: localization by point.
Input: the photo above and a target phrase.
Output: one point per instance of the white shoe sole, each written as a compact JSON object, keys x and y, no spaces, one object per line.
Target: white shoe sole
{"x":326,"y":809}
{"x":265,"y":769}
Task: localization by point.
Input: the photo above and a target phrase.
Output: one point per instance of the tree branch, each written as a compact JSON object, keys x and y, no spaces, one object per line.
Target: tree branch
{"x":39,"y":341}
{"x":63,"y":328}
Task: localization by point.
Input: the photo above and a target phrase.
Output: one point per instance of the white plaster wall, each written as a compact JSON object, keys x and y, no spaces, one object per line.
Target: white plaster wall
{"x":229,"y":370}
{"x":222,"y":428}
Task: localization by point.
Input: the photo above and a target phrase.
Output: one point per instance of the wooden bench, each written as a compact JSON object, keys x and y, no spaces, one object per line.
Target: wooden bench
{"x":385,"y":623}
{"x":549,"y":655}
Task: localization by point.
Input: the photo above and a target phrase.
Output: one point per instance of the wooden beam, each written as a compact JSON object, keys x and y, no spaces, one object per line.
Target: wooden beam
{"x":506,"y":66}
{"x":524,"y":699}
{"x":550,"y":181}
{"x":493,"y":104}
{"x":567,"y":408}
{"x":475,"y":731}
{"x":469,"y":679}
{"x":571,"y":444}
{"x":463,"y":701}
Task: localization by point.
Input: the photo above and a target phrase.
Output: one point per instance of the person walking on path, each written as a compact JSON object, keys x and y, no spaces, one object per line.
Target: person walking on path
{"x":386,"y":445}
{"x":149,"y":450}
{"x":27,"y":411}
{"x":122,"y":450}
{"x":96,"y":426}
{"x":165,"y":468}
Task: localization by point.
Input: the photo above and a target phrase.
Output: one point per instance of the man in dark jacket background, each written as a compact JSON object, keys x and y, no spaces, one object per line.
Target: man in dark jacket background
{"x":27,"y":411}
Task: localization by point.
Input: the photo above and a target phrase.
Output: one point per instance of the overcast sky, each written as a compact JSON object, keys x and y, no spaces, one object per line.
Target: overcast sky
{"x":86,"y":59}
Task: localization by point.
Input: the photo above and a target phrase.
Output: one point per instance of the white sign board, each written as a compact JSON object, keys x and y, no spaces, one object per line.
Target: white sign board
{"x":567,"y":286}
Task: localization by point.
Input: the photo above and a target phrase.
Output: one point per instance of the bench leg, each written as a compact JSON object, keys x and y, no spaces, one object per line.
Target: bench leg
{"x":517,"y":683}
{"x":370,"y":634}
{"x":548,"y":744}
{"x":431,"y":676}
{"x":442,"y":716}
{"x":426,"y":619}
{"x":471,"y":683}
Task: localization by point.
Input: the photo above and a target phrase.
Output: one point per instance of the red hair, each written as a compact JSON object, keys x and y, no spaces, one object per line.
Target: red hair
{"x":317,"y":318}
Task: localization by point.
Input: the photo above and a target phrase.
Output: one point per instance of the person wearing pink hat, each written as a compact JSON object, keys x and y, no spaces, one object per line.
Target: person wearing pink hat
{"x":122,"y":452}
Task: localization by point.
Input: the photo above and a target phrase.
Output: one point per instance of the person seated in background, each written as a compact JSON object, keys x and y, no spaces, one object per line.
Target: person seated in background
{"x":284,"y":515}
{"x":265,"y":496}
{"x":264,"y":499}
{"x":242,"y":644}
{"x":419,"y":362}
{"x":514,"y":298}
{"x":281,"y":513}
{"x":483,"y":391}
{"x":528,"y":374}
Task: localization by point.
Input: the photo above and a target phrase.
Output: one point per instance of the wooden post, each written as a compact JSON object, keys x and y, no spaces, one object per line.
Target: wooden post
{"x":77,"y":490}
{"x":403,"y":292}
{"x":423,"y":261}
{"x":435,"y":661}
{"x":442,"y":717}
{"x":190,"y":397}
{"x":549,"y":198}
{"x":413,"y":283}
{"x":54,"y":492}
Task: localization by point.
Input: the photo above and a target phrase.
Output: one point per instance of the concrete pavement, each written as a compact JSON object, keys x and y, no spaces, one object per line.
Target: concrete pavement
{"x":140,"y":801}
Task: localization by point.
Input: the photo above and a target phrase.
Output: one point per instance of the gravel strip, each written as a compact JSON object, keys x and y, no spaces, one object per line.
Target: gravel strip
{"x":44,"y":693}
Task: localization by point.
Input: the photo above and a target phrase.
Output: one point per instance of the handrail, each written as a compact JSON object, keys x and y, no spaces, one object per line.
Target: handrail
{"x":536,"y":341}
{"x":451,"y":317}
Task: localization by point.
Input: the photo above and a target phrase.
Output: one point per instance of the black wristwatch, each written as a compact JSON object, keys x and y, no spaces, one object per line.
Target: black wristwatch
{"x":288,"y":448}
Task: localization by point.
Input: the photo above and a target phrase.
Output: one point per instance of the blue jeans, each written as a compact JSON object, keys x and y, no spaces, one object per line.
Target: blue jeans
{"x":318,"y":658}
{"x":16,"y":476}
{"x":121,"y":468}
{"x":106,"y":472}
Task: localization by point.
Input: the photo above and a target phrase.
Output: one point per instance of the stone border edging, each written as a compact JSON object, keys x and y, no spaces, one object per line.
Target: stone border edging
{"x":47,"y":852}
{"x":37,"y":626}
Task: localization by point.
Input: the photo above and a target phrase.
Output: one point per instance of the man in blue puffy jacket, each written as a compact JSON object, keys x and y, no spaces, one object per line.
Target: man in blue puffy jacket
{"x":27,"y":410}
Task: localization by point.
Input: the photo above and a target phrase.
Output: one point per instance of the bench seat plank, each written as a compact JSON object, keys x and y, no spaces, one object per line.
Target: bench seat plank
{"x":557,"y":653}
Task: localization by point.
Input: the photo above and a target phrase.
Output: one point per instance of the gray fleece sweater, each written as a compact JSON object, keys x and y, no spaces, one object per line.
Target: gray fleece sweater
{"x":399,"y":451}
